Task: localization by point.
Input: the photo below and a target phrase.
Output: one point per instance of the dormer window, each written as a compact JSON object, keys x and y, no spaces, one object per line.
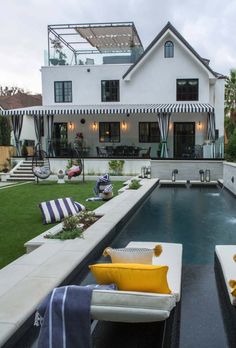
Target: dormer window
{"x":169,"y":49}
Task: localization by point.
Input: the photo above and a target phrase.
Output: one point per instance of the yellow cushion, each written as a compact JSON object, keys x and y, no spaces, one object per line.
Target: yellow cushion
{"x":233,"y":292}
{"x":133,"y":276}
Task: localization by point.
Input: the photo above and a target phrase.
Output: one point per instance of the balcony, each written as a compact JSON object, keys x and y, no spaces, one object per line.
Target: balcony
{"x":93,"y":44}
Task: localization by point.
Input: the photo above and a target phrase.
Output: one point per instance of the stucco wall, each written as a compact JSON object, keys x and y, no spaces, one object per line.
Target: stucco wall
{"x":98,"y":167}
{"x":229,"y":176}
{"x":154,"y":80}
{"x":187,"y":170}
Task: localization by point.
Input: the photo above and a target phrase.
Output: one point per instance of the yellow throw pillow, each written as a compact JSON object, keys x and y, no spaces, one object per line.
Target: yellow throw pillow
{"x":133,"y":255}
{"x":133,"y":276}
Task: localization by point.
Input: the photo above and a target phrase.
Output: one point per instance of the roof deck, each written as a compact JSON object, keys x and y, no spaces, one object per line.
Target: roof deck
{"x":93,"y":43}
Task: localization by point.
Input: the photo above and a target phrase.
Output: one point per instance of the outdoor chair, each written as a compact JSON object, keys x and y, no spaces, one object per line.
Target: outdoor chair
{"x":224,"y":256}
{"x":40,"y":164}
{"x":129,"y":151}
{"x":147,"y":153}
{"x":110,"y":151}
{"x":144,"y":307}
{"x":136,"y":151}
{"x":119,"y":151}
{"x":101,"y":152}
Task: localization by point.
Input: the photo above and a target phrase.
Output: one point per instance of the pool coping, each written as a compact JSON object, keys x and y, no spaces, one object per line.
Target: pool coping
{"x":26,"y":281}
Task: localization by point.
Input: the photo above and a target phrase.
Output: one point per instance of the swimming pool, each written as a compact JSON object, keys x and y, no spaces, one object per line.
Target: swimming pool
{"x":199,"y":218}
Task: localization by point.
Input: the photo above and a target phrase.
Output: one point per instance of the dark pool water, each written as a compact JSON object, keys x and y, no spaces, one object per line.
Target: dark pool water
{"x":199,"y":218}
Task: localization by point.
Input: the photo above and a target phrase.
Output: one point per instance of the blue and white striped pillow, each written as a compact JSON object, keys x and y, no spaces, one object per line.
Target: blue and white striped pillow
{"x":58,"y":209}
{"x":79,"y":206}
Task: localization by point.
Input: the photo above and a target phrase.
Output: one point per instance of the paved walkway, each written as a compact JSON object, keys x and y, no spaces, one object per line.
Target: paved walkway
{"x":6,"y":184}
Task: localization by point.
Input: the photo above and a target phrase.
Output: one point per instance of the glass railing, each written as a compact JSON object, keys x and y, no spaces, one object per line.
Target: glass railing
{"x":67,"y":57}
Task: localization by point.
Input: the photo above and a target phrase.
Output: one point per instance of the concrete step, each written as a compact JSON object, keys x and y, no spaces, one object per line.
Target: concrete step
{"x":22,"y":171}
{"x":26,"y":165}
{"x":20,"y":175}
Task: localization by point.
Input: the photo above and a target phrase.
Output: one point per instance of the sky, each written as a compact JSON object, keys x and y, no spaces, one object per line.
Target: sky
{"x":208,"y":25}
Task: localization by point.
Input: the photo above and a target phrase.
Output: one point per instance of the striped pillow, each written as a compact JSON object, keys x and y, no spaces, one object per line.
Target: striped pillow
{"x":79,"y":207}
{"x":58,"y":209}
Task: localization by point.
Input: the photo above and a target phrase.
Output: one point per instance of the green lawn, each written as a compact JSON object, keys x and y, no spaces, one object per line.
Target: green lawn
{"x":20,"y":216}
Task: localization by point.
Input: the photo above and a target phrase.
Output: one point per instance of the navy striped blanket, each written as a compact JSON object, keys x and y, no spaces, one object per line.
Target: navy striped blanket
{"x":65,"y":318}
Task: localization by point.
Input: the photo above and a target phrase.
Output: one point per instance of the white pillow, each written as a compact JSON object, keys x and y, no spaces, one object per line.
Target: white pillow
{"x":133,"y":255}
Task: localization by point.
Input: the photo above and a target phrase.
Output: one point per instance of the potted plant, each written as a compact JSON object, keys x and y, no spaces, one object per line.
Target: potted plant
{"x":61,"y":59}
{"x":24,"y":151}
{"x":5,"y":168}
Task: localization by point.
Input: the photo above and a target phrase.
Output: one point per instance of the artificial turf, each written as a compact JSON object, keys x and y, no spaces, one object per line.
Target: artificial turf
{"x":20,"y":216}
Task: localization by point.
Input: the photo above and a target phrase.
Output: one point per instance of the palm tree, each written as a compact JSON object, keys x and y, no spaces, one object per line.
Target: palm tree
{"x":230,"y":96}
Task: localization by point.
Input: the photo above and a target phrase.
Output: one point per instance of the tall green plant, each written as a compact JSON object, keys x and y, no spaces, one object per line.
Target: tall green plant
{"x":5,"y":131}
{"x":230,"y":150}
{"x":116,"y":166}
{"x":230,"y":95}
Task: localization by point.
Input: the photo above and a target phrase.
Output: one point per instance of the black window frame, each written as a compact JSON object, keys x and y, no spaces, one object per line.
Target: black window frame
{"x":169,"y":49}
{"x":112,"y":94}
{"x":110,"y":139}
{"x":150,"y":137}
{"x":187,"y":92}
{"x":61,"y":98}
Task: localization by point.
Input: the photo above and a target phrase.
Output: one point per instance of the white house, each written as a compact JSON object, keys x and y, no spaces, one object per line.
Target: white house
{"x":125,"y":100}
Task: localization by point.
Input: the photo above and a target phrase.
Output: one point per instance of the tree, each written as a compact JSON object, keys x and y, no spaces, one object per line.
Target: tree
{"x":230,"y":96}
{"x":5,"y":131}
{"x":231,"y":147}
{"x":9,"y":91}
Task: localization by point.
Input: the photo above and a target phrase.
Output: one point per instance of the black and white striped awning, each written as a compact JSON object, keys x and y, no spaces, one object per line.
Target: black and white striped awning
{"x":111,"y":109}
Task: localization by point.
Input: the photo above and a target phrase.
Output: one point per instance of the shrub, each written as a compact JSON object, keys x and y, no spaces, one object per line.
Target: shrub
{"x":24,"y":151}
{"x":87,"y":218}
{"x":230,"y":150}
{"x":73,"y":226}
{"x":134,"y":185}
{"x":5,"y":131}
{"x":116,"y":166}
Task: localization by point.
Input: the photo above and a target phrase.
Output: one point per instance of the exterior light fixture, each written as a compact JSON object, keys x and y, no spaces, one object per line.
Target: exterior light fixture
{"x":207,"y":175}
{"x":94,"y":126}
{"x":71,"y":126}
{"x":124,"y":125}
{"x":199,"y":125}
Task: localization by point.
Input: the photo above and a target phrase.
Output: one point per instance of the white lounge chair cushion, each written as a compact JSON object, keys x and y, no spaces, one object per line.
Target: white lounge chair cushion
{"x":129,"y":306}
{"x":225,"y":256}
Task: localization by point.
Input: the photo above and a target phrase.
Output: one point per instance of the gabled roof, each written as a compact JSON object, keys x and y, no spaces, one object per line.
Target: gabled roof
{"x":170,"y":27}
{"x":20,"y":100}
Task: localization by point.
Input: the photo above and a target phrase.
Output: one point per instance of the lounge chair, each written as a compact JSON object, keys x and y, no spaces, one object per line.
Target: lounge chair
{"x":143,"y":307}
{"x":224,"y":257}
{"x":225,"y":269}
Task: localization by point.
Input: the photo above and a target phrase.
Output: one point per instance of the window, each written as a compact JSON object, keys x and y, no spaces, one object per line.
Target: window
{"x":187,"y":89}
{"x":169,"y":49}
{"x":109,"y":132}
{"x":149,"y":132}
{"x":110,"y":90}
{"x":63,"y":91}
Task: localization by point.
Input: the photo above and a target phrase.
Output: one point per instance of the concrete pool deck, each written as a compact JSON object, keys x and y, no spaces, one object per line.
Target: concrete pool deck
{"x":27,"y":280}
